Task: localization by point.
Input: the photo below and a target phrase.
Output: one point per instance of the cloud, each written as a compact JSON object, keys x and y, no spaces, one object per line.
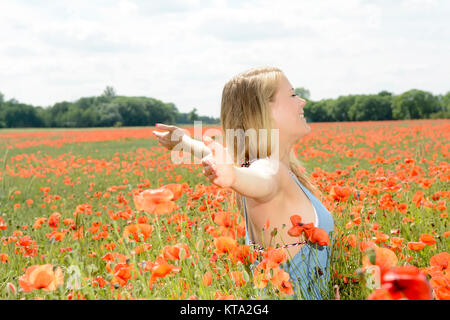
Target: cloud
{"x":185,"y":51}
{"x":18,"y":51}
{"x":235,"y":27}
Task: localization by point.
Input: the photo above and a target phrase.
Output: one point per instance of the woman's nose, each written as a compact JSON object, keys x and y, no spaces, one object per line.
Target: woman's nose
{"x":302,"y":102}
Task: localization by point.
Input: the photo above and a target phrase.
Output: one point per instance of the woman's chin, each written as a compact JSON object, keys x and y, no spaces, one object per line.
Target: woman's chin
{"x":303,"y":134}
{"x":308,"y":128}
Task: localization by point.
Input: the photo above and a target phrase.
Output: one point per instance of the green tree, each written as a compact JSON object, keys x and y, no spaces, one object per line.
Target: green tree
{"x":445,"y":102}
{"x":89,"y":118}
{"x":19,"y":115}
{"x":182,"y":118}
{"x":414,"y":104}
{"x":45,"y":116}
{"x":133,"y":111}
{"x":160,"y":112}
{"x":302,"y":93}
{"x":57,"y":113}
{"x":385,"y":93}
{"x":338,"y":109}
{"x":371,"y":108}
{"x":317,"y":111}
{"x":2,"y":122}
{"x":108,"y":114}
{"x":210,"y":120}
{"x":72,"y":118}
{"x":193,"y":116}
{"x":444,"y":107}
{"x":12,"y":101}
{"x":109,"y":92}
{"x":86,"y":102}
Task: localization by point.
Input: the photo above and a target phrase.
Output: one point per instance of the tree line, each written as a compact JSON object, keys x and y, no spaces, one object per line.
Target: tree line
{"x":109,"y":110}
{"x":412,"y":104}
{"x":106,"y":110}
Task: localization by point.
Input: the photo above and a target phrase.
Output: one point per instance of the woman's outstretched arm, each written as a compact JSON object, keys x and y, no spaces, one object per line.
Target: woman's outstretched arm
{"x":260,"y":181}
{"x":175,"y":135}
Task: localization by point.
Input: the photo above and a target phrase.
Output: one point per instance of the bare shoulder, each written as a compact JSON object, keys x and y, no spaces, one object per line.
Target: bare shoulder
{"x":264,"y":163}
{"x":267,"y":166}
{"x":277,"y":171}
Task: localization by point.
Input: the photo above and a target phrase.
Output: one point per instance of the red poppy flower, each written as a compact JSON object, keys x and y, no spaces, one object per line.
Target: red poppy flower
{"x":380,"y":294}
{"x":440,"y":260}
{"x":281,"y":281}
{"x":385,"y":259}
{"x":207,"y":279}
{"x":41,"y":277}
{"x":225,"y":245}
{"x":320,"y":237}
{"x":407,"y":282}
{"x":162,"y":270}
{"x":156,"y":201}
{"x":275,"y":257}
{"x":136,"y":229}
{"x":313,"y":234}
{"x":238,"y":278}
{"x":297,"y":226}
{"x":177,"y":189}
{"x":340,"y":194}
{"x":416,"y":246}
{"x":428,"y":239}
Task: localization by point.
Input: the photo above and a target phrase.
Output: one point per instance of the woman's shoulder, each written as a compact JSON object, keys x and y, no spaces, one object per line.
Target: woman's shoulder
{"x":260,"y":162}
{"x":266,"y":168}
{"x":278,"y":172}
{"x":268,"y":163}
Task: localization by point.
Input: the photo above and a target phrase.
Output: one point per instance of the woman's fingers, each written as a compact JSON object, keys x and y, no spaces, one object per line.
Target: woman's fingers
{"x":211,"y":177}
{"x":219,"y":152}
{"x":166,"y":127}
{"x":208,"y":170}
{"x":208,"y":161}
{"x":209,"y":166}
{"x":163,"y":137}
{"x":159,"y":134}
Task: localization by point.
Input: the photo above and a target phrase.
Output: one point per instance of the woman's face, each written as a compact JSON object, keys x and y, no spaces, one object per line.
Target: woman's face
{"x":287,"y":112}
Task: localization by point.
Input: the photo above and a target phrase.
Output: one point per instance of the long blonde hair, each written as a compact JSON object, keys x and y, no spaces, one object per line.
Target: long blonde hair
{"x":245,"y":105}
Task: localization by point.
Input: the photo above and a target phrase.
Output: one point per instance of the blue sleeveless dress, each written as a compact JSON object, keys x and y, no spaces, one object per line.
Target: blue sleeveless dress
{"x":308,"y":269}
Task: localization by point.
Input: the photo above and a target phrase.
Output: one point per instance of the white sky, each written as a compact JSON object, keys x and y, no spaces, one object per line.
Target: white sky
{"x":184,"y":51}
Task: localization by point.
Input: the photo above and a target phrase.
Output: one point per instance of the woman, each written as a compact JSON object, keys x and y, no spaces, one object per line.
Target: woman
{"x":265,"y":172}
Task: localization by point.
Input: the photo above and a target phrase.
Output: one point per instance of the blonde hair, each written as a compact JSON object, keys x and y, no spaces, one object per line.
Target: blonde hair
{"x":245,"y":105}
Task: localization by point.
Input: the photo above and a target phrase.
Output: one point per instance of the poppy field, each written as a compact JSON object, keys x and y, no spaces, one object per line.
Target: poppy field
{"x":104,"y":214}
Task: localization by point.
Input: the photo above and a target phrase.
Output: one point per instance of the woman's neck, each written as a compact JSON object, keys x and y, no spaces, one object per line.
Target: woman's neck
{"x":284,"y":154}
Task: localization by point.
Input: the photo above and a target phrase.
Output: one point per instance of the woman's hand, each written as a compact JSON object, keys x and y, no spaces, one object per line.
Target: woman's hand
{"x":218,"y":165}
{"x":261,"y":181}
{"x":171,"y":138}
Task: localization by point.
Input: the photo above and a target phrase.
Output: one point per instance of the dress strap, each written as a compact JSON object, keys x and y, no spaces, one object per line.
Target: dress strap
{"x":310,"y":196}
{"x":324,"y":216}
{"x":244,"y":207}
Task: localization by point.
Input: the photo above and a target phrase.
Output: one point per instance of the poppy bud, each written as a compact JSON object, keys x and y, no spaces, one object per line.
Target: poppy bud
{"x":274,"y":232}
{"x":371,"y":255}
{"x":11,"y":289}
